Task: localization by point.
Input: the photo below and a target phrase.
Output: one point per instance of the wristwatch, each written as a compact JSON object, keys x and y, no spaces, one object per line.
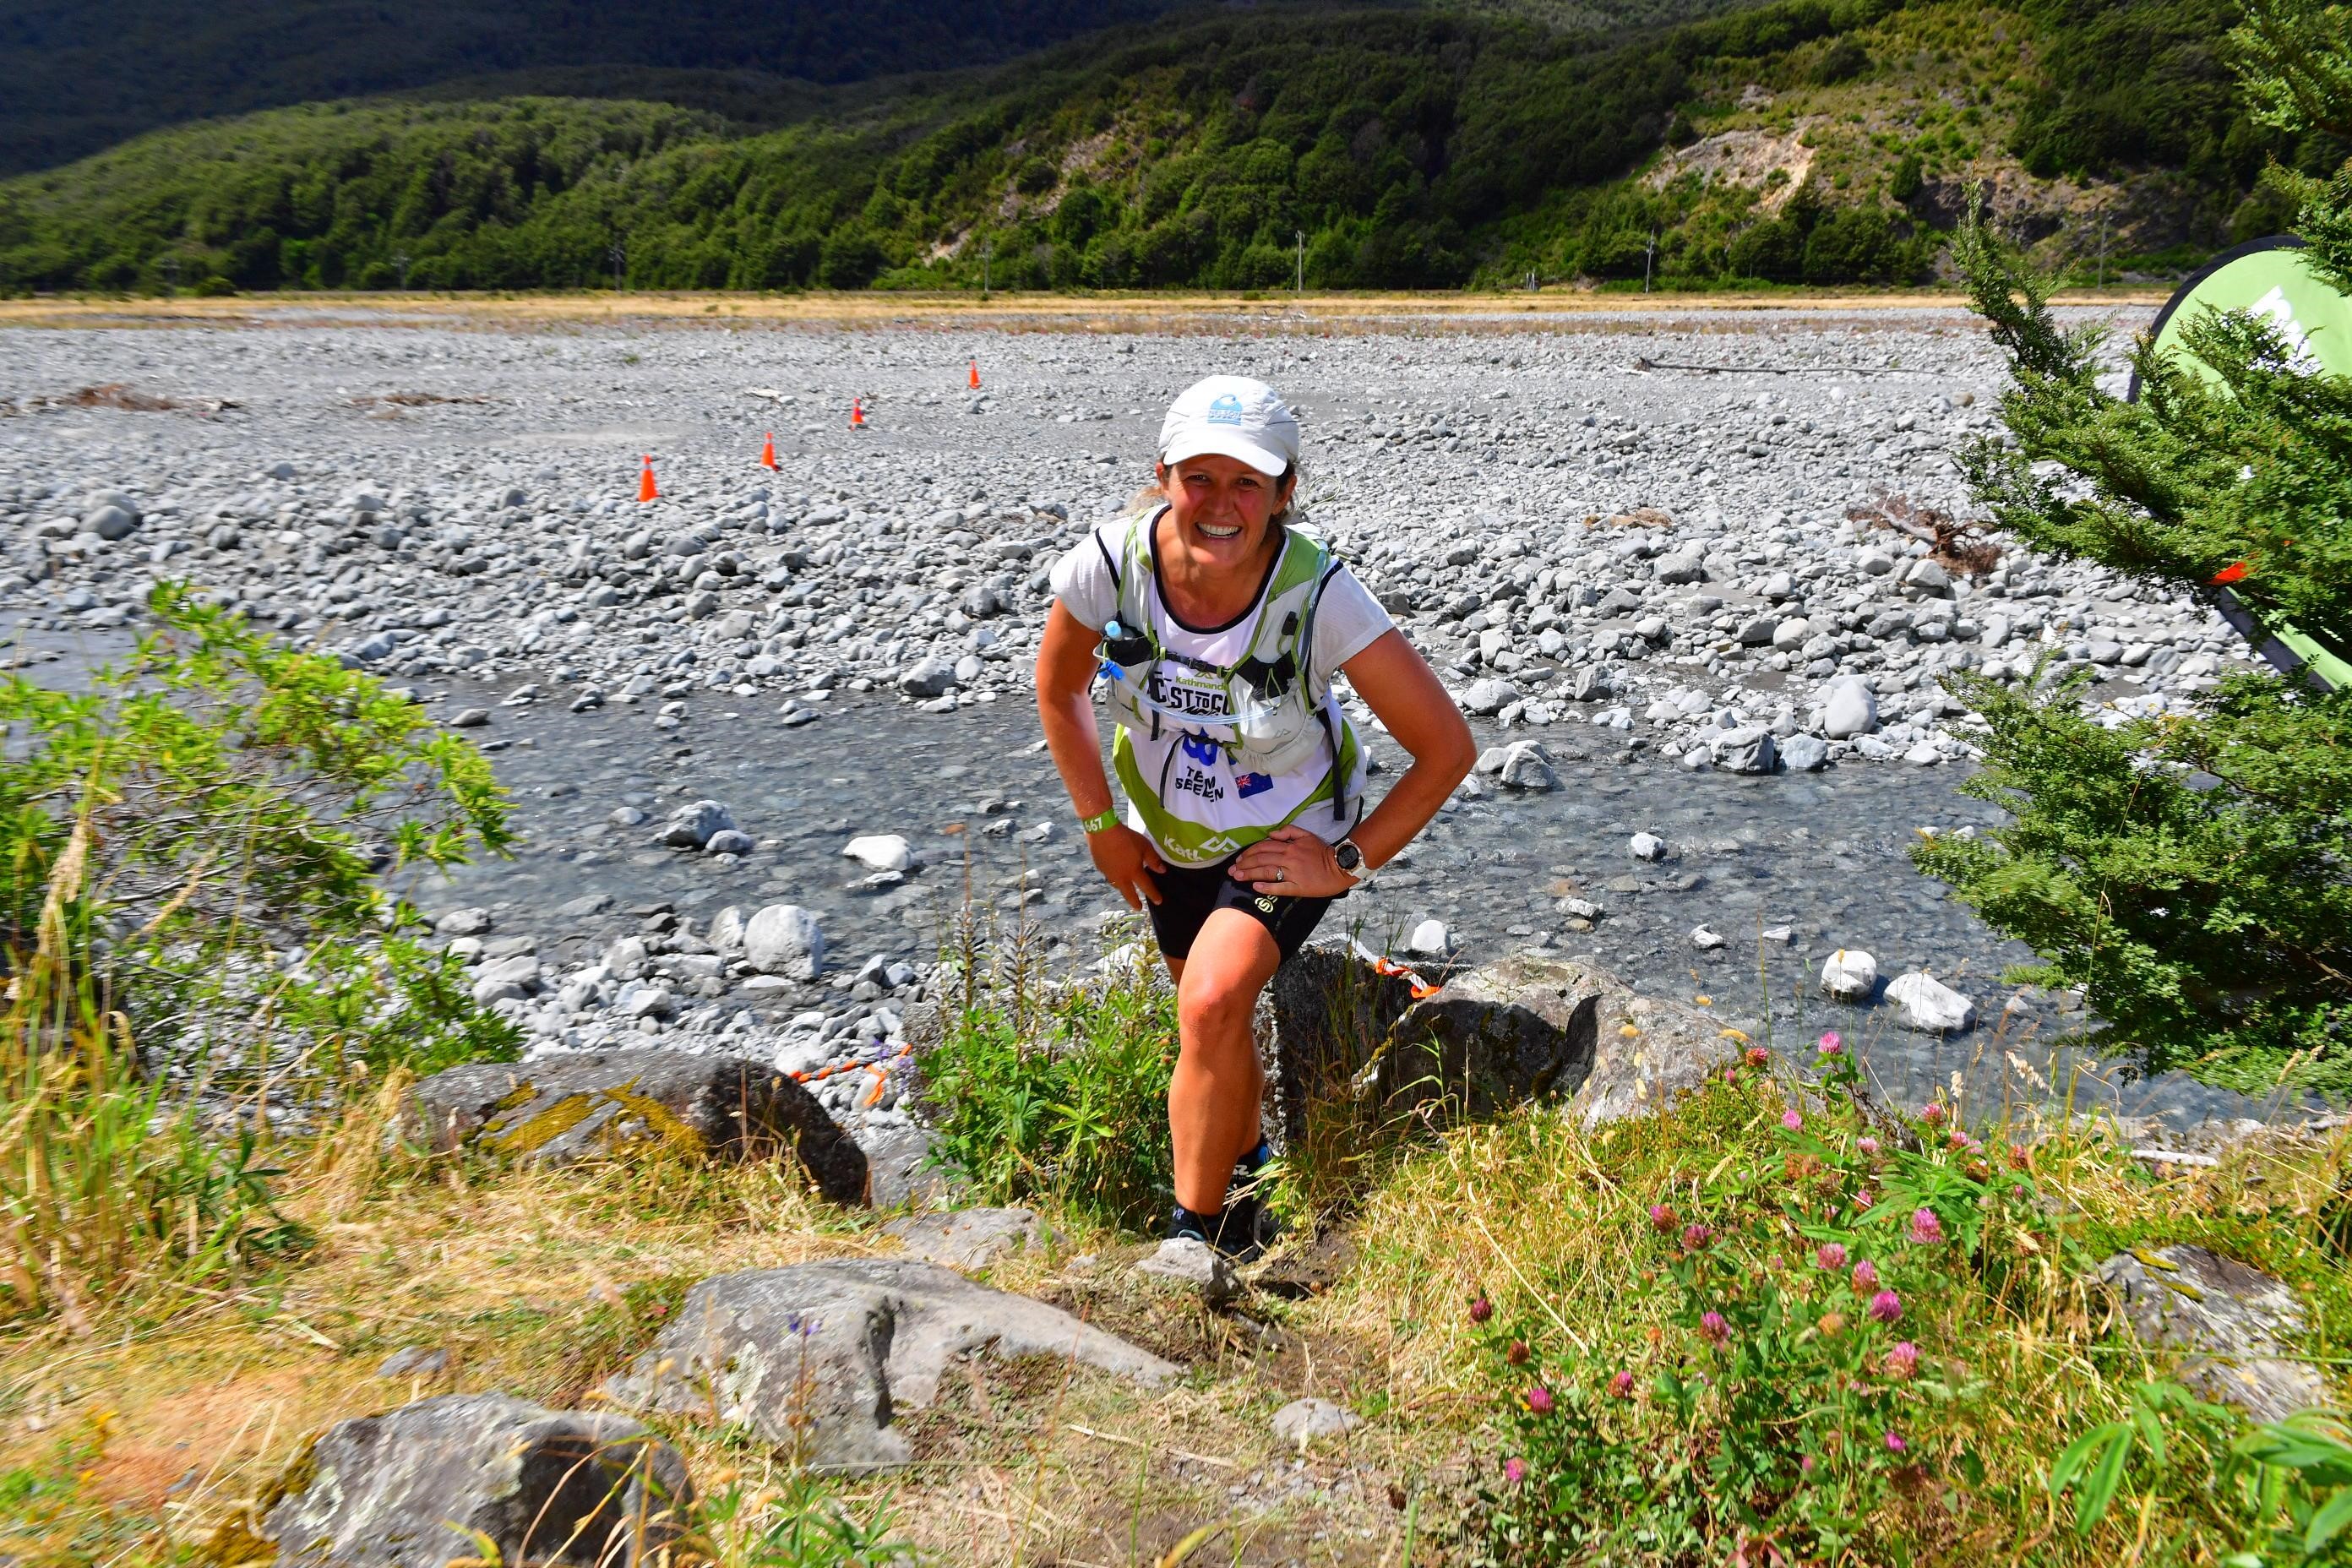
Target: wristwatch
{"x":1352,"y":861}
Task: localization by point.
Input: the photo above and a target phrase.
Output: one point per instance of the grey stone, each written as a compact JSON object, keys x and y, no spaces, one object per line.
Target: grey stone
{"x":1804,"y":753}
{"x":438,"y":1480}
{"x":784,"y":939}
{"x":1704,"y":940}
{"x":1528,"y":766}
{"x":471,"y":719}
{"x":584,"y":906}
{"x":929,"y":678}
{"x":111,"y":521}
{"x":2238,"y":1324}
{"x":1190,"y":1261}
{"x":556,"y":1109}
{"x":820,"y":1357}
{"x":1749,"y":749}
{"x":463,"y":922}
{"x":1340,"y":1033}
{"x":691,"y":825}
{"x":1489,"y":697}
{"x":1682,"y":566}
{"x":1757,"y":632}
{"x":1299,"y":1423}
{"x":730,"y":841}
{"x":1589,"y":685}
{"x":965,"y":1239}
{"x":416,"y":1361}
{"x":1924,"y":1004}
{"x":1646,"y":846}
{"x":1928,"y":578}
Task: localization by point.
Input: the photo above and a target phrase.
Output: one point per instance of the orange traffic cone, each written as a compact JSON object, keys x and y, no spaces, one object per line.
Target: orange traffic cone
{"x":856,"y":413}
{"x":768,"y":451}
{"x":975,"y":382}
{"x":646,"y":489}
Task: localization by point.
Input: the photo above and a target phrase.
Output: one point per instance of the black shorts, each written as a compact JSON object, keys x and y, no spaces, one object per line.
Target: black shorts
{"x":1188,"y":895}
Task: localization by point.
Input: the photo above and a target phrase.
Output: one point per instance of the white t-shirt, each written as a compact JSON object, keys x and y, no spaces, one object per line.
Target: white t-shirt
{"x":1216,"y":809}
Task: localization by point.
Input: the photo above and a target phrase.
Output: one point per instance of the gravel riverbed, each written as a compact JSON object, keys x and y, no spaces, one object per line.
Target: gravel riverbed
{"x":1625,"y":543}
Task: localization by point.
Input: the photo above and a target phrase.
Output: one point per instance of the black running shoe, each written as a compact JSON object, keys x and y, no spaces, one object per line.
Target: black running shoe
{"x":1248,"y":1228}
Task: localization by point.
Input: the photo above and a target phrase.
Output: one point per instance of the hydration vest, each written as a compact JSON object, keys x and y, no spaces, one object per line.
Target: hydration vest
{"x":1275,"y":704}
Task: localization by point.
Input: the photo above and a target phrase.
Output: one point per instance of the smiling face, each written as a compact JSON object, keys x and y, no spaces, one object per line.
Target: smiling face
{"x":1222,"y":510}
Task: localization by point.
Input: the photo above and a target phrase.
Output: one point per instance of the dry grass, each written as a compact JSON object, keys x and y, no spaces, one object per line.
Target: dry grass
{"x":543,"y":1283}
{"x":1134,"y":312}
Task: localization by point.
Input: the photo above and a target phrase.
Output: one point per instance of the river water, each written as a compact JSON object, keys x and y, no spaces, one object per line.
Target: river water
{"x":1822,"y":855}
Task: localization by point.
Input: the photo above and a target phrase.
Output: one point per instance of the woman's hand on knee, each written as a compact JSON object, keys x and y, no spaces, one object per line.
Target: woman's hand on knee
{"x":1127,"y":860}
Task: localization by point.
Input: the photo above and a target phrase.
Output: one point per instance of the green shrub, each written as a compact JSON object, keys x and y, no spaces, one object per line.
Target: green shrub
{"x":2189,"y":873}
{"x":189,"y":850}
{"x":1057,"y":1092}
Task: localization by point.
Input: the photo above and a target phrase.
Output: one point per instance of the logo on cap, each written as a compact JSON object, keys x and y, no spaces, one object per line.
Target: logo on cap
{"x":1225,"y":410}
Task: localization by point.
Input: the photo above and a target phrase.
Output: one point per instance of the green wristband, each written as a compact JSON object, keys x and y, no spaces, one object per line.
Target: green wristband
{"x":1105,"y":819}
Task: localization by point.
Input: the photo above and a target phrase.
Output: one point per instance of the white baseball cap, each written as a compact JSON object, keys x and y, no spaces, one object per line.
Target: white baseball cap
{"x":1232,"y":416}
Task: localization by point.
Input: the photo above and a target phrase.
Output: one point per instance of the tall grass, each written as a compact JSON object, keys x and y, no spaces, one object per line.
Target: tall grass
{"x":106,"y":1193}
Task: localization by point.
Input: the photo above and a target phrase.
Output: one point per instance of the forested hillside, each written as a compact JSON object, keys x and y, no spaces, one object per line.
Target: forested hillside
{"x":84,"y":76}
{"x":1812,"y":140}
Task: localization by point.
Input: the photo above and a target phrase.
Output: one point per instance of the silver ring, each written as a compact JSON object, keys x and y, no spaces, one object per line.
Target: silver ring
{"x":1279,"y":875}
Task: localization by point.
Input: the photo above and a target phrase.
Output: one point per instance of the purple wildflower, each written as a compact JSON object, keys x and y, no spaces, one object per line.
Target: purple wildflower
{"x":1902,"y":1361}
{"x":1712,"y":1325}
{"x":1792,"y":1119}
{"x":1695,"y":1236}
{"x":1514,"y":1470}
{"x":1829,"y":1254}
{"x":1539,"y":1400}
{"x":1831,"y":1044}
{"x":1896,"y":1445}
{"x":1622,"y":1385}
{"x":1867,"y":1144}
{"x":1932,"y":1114}
{"x":1865,"y":1275}
{"x":1886,"y":1306}
{"x":1662,"y":1218}
{"x":1481,"y":1310}
{"x":1926,"y":1229}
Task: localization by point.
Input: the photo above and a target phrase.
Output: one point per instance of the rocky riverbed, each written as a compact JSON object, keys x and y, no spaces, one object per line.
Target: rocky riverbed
{"x":1627,"y":546}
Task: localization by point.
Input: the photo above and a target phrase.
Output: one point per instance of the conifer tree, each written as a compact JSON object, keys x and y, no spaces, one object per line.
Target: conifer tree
{"x":2192,"y":873}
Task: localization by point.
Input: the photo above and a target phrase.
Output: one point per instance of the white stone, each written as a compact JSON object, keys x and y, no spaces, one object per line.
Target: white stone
{"x":1300,"y":1422}
{"x":1926,"y":1003}
{"x":880,"y":852}
{"x":1850,"y":975}
{"x":1647,"y":846}
{"x":1429,"y":938}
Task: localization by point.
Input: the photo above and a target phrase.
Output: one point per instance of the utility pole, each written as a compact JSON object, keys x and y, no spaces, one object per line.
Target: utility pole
{"x":1649,"y":253}
{"x":620,"y":254}
{"x":1300,"y":237}
{"x":400,"y":259}
{"x":987,"y":250}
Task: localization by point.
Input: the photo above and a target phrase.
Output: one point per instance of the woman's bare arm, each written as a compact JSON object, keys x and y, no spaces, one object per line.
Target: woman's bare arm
{"x":1066,"y":669}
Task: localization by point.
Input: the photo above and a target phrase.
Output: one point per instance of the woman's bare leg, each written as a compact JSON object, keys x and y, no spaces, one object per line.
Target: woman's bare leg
{"x":1214,"y":1097}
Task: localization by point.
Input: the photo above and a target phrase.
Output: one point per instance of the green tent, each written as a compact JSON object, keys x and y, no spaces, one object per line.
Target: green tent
{"x":2270,"y":277}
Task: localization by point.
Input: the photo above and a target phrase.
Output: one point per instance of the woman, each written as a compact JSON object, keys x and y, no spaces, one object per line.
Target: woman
{"x":1219,"y":628}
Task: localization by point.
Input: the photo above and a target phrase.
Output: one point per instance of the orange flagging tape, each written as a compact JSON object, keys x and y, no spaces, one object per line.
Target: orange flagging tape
{"x":1421,"y":989}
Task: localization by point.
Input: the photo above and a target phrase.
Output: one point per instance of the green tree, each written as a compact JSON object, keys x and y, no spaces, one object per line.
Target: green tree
{"x":2193,"y":874}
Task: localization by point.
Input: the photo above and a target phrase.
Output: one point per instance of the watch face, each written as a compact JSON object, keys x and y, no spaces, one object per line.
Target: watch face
{"x":1348,"y":857}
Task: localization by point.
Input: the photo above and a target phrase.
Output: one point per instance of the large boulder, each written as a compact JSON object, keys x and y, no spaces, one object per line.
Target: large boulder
{"x":559,"y":1109}
{"x":439,"y":1481}
{"x":1927,"y":1004}
{"x":1344,"y":1035}
{"x":784,"y":939}
{"x":1848,"y":709}
{"x":1747,"y":749}
{"x":818,"y":1358}
{"x":2237,"y":1323}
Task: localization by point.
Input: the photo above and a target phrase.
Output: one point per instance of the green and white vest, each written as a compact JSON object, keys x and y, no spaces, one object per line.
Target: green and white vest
{"x":1213,"y":756}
